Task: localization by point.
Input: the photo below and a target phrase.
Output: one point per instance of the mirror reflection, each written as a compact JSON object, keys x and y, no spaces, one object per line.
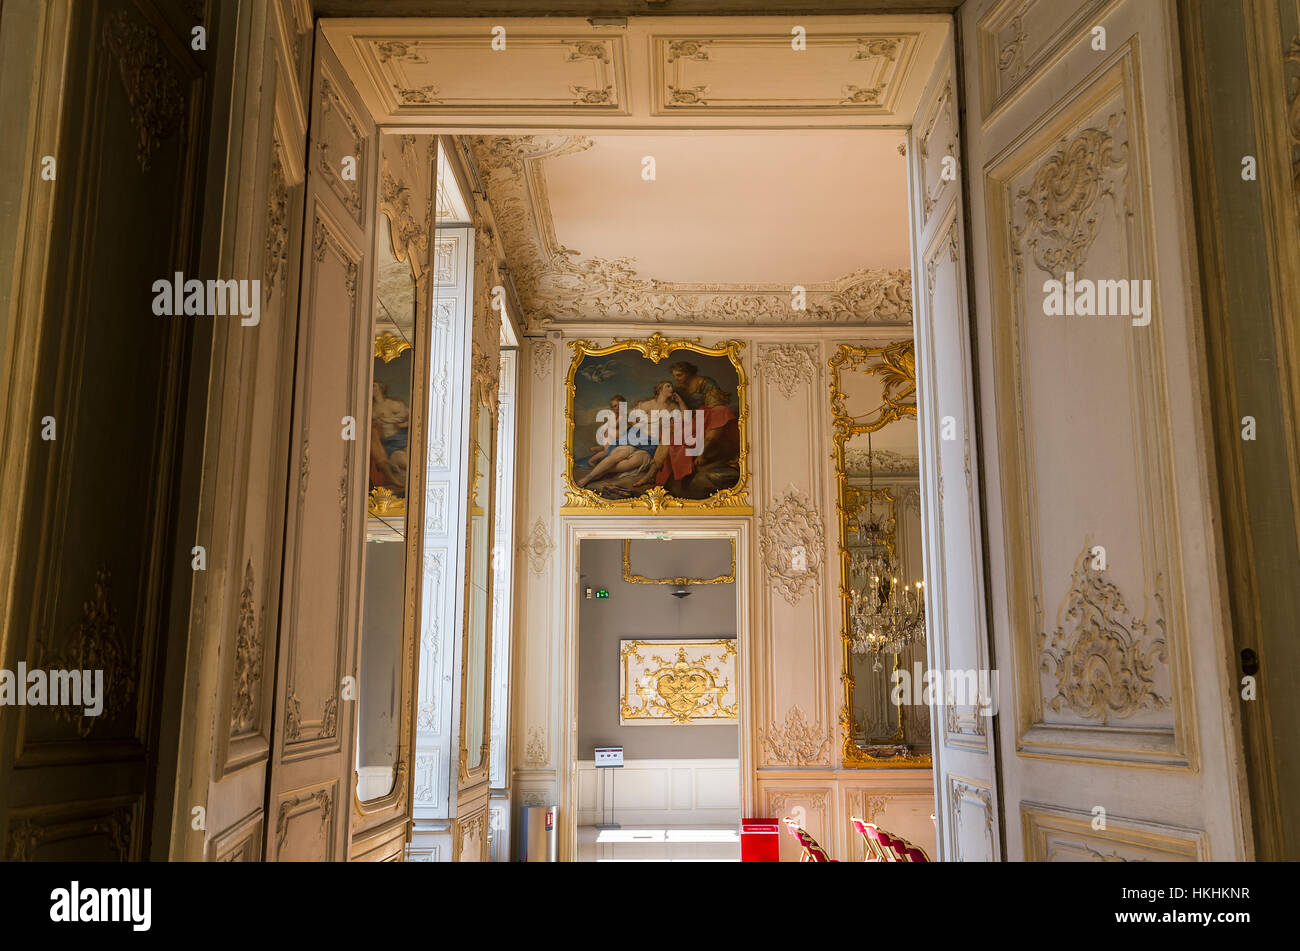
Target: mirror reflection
{"x":379,"y":690}
{"x":480,"y":547}
{"x":873,"y":401}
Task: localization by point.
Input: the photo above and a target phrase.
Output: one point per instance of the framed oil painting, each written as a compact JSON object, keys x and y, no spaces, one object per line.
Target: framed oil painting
{"x":657,"y":425}
{"x":390,"y":433}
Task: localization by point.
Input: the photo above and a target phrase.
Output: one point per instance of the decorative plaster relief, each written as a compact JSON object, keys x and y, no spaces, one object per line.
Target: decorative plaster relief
{"x":1101,"y":663}
{"x":797,"y":742}
{"x":788,"y":365}
{"x":792,"y":521}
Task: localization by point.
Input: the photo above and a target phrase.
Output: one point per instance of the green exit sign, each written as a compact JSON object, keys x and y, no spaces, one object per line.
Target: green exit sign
{"x":602,"y":593}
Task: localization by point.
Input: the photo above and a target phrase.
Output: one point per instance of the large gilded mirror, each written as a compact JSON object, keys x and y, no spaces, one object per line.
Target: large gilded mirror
{"x":876,"y":451}
{"x":475,"y":664}
{"x":384,"y":685}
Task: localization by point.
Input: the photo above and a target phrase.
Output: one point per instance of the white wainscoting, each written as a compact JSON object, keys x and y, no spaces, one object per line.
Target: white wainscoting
{"x":662,"y":792}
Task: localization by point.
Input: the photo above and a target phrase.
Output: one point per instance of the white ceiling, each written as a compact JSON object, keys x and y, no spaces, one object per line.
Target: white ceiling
{"x":761,"y":208}
{"x":729,"y":225}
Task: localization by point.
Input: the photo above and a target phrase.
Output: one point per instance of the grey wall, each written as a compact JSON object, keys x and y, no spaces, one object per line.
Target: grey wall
{"x":381,"y":651}
{"x":648,"y":611}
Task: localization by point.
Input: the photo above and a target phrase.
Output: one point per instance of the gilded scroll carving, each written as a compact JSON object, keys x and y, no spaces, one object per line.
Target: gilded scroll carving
{"x":1103,"y":659}
{"x":152,"y":87}
{"x":788,"y":365}
{"x":1062,"y":206}
{"x":796,"y":742}
{"x":792,"y":522}
{"x":248,"y":659}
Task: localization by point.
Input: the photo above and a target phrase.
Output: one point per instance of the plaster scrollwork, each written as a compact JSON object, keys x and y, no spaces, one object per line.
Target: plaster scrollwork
{"x":1011,"y":54}
{"x":788,"y":365}
{"x":584,"y":96}
{"x":875,"y":807}
{"x":323,"y":801}
{"x":95,"y":643}
{"x":876,"y":47}
{"x":1061,"y":208}
{"x":796,"y":742}
{"x":410,"y":237}
{"x":862,"y":95}
{"x":1104,"y":662}
{"x":348,"y":190}
{"x":277,"y":225}
{"x":153,"y":89}
{"x":586,"y":49}
{"x":539,"y":547}
{"x":248,"y":658}
{"x":386,"y":50}
{"x":535,"y":755}
{"x":687,"y":49}
{"x":858,"y":462}
{"x":559,"y":283}
{"x":542,"y":353}
{"x":792,"y":521}
{"x":960,"y":791}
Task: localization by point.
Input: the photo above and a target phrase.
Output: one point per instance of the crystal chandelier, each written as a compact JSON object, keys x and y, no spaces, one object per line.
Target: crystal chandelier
{"x":884,"y":616}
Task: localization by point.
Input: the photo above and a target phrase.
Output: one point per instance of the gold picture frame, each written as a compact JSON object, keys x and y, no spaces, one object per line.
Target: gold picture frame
{"x":632,"y":578}
{"x":895,"y":364}
{"x":729,"y":500}
{"x":678,"y":683}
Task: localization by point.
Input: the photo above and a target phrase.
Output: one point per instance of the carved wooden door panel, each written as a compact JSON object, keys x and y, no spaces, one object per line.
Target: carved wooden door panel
{"x":965,"y":774}
{"x":310,"y":795}
{"x":91,"y":462}
{"x":1107,"y":590}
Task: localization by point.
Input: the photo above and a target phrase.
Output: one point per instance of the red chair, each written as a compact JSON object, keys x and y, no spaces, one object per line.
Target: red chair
{"x":886,"y":847}
{"x":868,"y":831}
{"x":812,"y":850}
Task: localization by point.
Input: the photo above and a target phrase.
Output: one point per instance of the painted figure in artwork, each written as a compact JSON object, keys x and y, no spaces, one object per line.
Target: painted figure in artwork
{"x":673,"y":465}
{"x":390,"y":422}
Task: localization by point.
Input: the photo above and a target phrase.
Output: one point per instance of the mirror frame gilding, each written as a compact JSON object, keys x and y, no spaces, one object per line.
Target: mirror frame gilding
{"x":895,"y":364}
{"x":374,"y":821}
{"x":483,"y":398}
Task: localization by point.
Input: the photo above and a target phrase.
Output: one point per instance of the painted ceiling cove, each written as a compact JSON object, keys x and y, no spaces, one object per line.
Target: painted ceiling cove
{"x":727,"y":227}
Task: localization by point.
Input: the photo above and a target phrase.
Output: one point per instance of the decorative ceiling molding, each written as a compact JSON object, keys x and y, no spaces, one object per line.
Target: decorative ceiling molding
{"x":559,"y":284}
{"x":693,"y":71}
{"x":848,"y":73}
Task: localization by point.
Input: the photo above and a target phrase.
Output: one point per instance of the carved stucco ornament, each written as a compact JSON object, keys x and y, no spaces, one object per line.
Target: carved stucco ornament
{"x":559,"y":283}
{"x":539,"y":547}
{"x":96,"y":644}
{"x":1061,"y":207}
{"x":796,"y":742}
{"x":152,"y":87}
{"x":248,"y":658}
{"x":1103,"y":660}
{"x":792,"y":522}
{"x":788,"y":365}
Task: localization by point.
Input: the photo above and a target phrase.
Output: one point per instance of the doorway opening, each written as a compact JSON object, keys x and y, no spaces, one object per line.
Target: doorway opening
{"x":658,"y":681}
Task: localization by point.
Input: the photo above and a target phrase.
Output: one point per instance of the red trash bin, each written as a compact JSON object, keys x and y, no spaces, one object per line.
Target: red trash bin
{"x":760,"y":840}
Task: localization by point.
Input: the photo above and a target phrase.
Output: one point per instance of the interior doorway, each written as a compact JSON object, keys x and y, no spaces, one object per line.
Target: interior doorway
{"x":658,"y":681}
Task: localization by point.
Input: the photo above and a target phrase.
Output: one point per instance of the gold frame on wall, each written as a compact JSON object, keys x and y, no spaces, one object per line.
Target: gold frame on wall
{"x":630,"y":578}
{"x":660,"y":708}
{"x":656,"y":500}
{"x":896,"y":364}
